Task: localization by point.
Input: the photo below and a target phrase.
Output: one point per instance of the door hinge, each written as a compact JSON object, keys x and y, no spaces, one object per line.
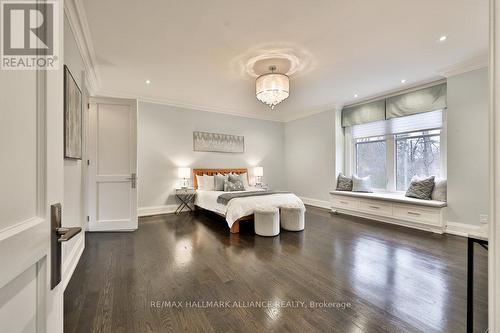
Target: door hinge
{"x":88,"y":162}
{"x":88,"y":218}
{"x":88,"y":105}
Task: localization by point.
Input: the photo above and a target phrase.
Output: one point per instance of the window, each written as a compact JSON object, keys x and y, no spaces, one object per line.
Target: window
{"x":417,"y":153}
{"x":392,"y":151}
{"x":370,"y":160}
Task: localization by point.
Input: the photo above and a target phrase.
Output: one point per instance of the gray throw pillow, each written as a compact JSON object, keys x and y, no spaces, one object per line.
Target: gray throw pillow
{"x":219,"y":182}
{"x":230,"y":186}
{"x":344,"y":183}
{"x":361,"y":184}
{"x":421,"y":189}
{"x":232,"y":177}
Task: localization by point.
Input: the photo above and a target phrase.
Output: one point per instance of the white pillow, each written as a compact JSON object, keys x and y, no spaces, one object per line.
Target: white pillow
{"x":361,"y":184}
{"x":440,"y":189}
{"x":209,"y":183}
{"x":244,"y":180}
{"x":206,"y":183}
{"x":199,"y":181}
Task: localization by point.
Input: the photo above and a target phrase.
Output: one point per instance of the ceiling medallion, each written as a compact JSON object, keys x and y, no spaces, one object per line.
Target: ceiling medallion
{"x":272,"y":88}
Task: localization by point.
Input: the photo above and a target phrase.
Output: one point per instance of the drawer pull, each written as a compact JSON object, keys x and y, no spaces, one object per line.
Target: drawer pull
{"x":413,"y":213}
{"x":375,"y":207}
{"x":344,"y":202}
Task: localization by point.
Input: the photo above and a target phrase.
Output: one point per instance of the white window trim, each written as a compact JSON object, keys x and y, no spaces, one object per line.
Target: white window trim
{"x":350,"y":156}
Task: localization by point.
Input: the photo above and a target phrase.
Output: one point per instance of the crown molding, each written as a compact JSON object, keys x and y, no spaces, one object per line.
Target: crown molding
{"x":310,"y":112}
{"x":280,"y":117}
{"x":77,"y":19}
{"x":186,"y":105}
{"x":465,"y":66}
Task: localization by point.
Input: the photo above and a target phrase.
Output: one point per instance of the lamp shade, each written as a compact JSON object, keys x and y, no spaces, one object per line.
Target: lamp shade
{"x":258,"y":171}
{"x":184,"y":173}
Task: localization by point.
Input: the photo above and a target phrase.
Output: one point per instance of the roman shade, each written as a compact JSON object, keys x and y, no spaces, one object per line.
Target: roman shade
{"x":364,"y":113}
{"x":428,"y":99}
{"x":413,"y":123}
{"x":419,"y":101}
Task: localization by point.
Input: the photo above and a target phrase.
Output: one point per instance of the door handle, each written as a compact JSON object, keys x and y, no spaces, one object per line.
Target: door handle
{"x":67,"y":233}
{"x":59,"y":235}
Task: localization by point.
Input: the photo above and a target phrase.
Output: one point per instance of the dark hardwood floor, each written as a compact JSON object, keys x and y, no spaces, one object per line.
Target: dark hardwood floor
{"x":394,"y":279}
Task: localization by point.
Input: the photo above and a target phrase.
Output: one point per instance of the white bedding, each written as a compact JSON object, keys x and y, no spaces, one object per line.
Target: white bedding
{"x":240,"y":207}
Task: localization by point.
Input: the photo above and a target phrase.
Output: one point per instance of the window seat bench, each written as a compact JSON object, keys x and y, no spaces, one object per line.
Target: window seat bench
{"x":393,"y":208}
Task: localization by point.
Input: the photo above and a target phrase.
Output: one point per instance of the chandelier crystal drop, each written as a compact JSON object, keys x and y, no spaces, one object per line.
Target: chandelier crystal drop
{"x":272,"y":88}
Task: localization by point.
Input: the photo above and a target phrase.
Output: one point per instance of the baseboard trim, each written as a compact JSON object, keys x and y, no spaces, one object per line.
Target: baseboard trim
{"x":73,"y":259}
{"x":156,"y":210}
{"x":462,"y":229}
{"x":316,"y":203}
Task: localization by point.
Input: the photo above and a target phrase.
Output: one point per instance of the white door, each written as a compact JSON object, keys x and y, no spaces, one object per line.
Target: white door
{"x":113,"y":165}
{"x":31,"y":169}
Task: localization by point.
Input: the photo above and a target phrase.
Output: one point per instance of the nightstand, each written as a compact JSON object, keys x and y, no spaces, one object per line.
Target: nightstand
{"x":186,"y":197}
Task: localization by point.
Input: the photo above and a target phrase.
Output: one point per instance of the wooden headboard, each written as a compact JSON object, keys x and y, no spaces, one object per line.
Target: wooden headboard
{"x":212,"y":172}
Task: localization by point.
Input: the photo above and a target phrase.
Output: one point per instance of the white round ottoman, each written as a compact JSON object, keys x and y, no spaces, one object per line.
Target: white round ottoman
{"x":292,"y":218}
{"x":267,"y":221}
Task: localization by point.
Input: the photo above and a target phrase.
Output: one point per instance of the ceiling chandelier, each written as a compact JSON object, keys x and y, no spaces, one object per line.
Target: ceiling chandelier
{"x":272,"y":88}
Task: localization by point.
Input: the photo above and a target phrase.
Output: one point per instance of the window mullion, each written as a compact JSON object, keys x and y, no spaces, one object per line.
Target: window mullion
{"x":390,"y":164}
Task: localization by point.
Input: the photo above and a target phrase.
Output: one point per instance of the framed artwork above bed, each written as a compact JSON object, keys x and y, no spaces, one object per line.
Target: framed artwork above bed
{"x":216,"y":142}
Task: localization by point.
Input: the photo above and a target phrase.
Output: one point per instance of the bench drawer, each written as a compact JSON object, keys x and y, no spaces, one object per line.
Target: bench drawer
{"x":344,"y":203}
{"x":376,"y":207}
{"x":430,"y":216}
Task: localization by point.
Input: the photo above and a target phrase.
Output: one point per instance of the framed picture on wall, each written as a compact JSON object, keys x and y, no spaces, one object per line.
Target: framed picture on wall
{"x":216,"y":142}
{"x":72,"y":117}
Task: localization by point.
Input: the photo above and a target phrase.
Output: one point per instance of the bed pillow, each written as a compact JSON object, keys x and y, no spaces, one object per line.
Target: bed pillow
{"x":241,"y":177}
{"x":244,"y":180}
{"x":361,"y":184}
{"x":421,"y":188}
{"x":440,"y":190}
{"x":219,"y":182}
{"x":206,"y":183}
{"x":344,"y":183}
{"x":233,"y":177}
{"x":199,"y":181}
{"x":230,"y":186}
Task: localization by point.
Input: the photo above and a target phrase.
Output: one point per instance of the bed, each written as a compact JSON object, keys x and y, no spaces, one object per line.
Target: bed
{"x":238,"y":209}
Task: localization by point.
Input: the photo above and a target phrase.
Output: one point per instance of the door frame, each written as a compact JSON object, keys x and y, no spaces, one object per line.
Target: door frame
{"x":494,"y":164}
{"x":92,"y":157}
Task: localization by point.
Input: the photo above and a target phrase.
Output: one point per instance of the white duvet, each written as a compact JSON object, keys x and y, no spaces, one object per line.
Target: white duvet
{"x":240,"y":207}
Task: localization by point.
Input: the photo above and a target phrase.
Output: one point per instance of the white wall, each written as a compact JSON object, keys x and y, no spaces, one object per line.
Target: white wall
{"x":309,"y":156}
{"x":165,"y":142}
{"x":73,"y":210}
{"x":468,"y":176}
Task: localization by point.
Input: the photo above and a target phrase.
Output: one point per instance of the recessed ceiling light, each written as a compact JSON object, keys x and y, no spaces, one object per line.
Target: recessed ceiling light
{"x":355,"y":95}
{"x":403,"y":81}
{"x":148,"y":81}
{"x":443,"y":38}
